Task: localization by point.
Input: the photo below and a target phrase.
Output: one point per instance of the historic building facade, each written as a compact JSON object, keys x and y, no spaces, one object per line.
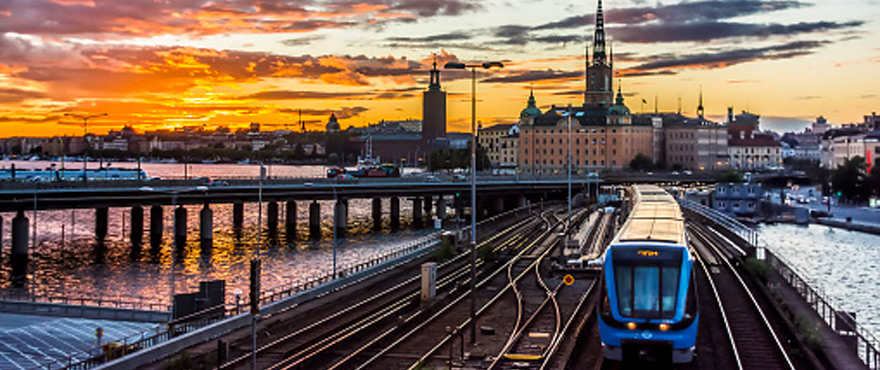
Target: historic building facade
{"x":601,"y":131}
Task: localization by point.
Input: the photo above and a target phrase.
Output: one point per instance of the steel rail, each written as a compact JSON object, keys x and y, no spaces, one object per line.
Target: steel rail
{"x":718,"y":301}
{"x":712,"y":245}
{"x":407,"y":320}
{"x":486,"y":306}
{"x":362,"y":303}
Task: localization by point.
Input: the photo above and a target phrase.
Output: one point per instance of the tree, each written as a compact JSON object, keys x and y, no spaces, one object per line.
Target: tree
{"x":729,"y":175}
{"x":641,"y":163}
{"x":850,"y":179}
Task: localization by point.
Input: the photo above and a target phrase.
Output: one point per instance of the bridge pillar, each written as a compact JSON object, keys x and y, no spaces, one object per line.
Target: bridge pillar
{"x":498,"y":204}
{"x":137,"y":225}
{"x":521,"y":201}
{"x":441,"y":207}
{"x":272,"y":217}
{"x":428,"y":203}
{"x":377,"y":213}
{"x":180,"y":226}
{"x":19,"y":256}
{"x":101,"y":214}
{"x":340,"y":216}
{"x":395,"y":213}
{"x":156,"y":225}
{"x":314,"y":220}
{"x":417,"y":212}
{"x":206,"y":224}
{"x":20,"y":226}
{"x":237,"y":215}
{"x":1,"y":237}
{"x":290,"y":220}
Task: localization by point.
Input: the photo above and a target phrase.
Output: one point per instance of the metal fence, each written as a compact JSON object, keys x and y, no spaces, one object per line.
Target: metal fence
{"x":130,"y":303}
{"x":863,"y":342}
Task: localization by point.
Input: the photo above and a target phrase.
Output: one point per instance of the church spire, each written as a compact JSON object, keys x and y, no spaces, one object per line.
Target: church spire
{"x":619,"y":100}
{"x":700,"y":106}
{"x":435,"y":76}
{"x":599,"y":37}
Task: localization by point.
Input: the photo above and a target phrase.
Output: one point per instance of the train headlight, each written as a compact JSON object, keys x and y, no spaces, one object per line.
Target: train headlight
{"x":631,"y":325}
{"x":664,"y":327}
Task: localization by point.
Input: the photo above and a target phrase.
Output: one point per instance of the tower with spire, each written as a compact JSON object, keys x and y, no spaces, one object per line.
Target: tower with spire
{"x":600,"y":72}
{"x":433,"y":109}
{"x":700,"y":111}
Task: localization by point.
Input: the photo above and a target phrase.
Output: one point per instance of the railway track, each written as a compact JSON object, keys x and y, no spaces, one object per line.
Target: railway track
{"x":535,"y":339}
{"x":307,"y":346}
{"x":380,"y":361}
{"x":752,"y":339}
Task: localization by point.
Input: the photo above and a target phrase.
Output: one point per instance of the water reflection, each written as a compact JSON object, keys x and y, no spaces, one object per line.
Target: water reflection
{"x":844,"y":264}
{"x":73,"y":262}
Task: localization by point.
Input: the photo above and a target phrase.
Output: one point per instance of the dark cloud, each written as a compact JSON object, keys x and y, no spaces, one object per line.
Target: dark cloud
{"x":341,"y":113}
{"x":12,"y":95}
{"x":139,"y":18}
{"x":534,"y":76}
{"x":666,"y":63}
{"x":558,"y":39}
{"x":570,"y":22}
{"x":303,"y":95}
{"x":303,"y":40}
{"x":452,"y":36}
{"x":675,"y":13}
{"x":718,"y":30}
{"x":426,"y":8}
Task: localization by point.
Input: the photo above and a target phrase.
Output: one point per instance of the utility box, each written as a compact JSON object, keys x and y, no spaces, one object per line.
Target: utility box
{"x":429,"y":281}
{"x":438,"y":223}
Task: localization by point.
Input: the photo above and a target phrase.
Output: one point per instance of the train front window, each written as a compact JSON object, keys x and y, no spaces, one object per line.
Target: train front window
{"x":646,"y":290}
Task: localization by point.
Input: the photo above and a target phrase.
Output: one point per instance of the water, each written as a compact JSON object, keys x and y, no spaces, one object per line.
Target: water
{"x":67,"y":260}
{"x":176,"y":170}
{"x":844,"y":264}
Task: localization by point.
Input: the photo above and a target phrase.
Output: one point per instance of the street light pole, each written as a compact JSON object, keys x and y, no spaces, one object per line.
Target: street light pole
{"x":568,"y":222}
{"x":473,"y":68}
{"x":85,"y":118}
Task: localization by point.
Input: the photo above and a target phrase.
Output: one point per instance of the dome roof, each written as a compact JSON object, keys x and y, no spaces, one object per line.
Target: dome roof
{"x":532,"y":109}
{"x":332,"y":125}
{"x":618,"y":109}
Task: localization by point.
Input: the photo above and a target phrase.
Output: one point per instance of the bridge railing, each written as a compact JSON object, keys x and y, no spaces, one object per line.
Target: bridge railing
{"x":297,"y":286}
{"x":861,"y":339}
{"x":130,"y":303}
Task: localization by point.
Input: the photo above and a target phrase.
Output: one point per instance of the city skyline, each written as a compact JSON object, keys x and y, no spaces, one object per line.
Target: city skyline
{"x":243,"y":61}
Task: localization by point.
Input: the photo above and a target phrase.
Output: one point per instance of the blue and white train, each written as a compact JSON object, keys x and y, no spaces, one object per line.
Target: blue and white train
{"x":649,"y":308}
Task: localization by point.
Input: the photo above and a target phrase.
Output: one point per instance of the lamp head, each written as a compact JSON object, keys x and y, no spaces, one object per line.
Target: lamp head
{"x":454,"y":66}
{"x":490,"y":65}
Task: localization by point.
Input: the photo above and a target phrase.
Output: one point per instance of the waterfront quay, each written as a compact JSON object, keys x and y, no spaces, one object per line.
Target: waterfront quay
{"x":533,"y":307}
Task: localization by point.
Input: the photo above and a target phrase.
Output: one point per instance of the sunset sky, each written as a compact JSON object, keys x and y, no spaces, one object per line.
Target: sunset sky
{"x":170,"y":63}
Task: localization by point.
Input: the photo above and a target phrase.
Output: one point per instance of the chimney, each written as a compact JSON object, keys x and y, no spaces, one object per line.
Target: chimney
{"x":729,"y":114}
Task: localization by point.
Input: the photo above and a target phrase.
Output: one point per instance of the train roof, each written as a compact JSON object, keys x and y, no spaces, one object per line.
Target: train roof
{"x":655,"y":217}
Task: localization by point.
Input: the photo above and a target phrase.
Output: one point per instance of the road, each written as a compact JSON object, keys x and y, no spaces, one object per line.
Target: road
{"x":839,"y":211}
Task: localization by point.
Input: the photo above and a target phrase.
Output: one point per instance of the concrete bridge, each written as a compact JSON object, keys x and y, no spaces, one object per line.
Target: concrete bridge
{"x":495,"y":194}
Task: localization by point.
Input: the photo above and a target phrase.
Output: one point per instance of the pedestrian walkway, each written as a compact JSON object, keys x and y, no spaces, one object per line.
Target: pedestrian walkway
{"x":27,"y":342}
